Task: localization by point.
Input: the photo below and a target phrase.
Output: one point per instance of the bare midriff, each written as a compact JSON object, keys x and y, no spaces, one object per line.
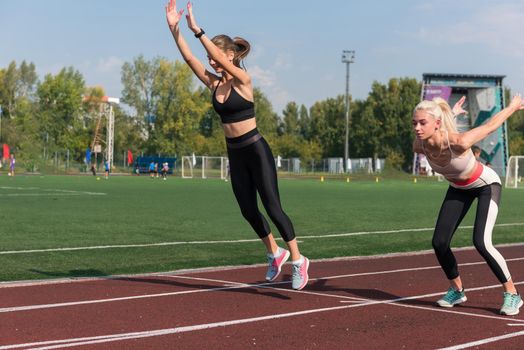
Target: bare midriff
{"x":239,"y":128}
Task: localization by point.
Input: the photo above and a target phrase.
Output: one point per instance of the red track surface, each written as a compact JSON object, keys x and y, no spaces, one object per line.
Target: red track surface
{"x":364,"y":303}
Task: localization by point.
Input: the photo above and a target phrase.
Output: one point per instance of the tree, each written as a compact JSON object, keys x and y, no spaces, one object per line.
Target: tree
{"x":392,"y":107}
{"x":60,"y":110}
{"x":328,"y":125}
{"x":138,"y":78}
{"x":267,"y":119}
{"x":291,"y":119}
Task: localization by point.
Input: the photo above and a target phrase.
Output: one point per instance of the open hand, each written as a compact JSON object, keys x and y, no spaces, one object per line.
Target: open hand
{"x":191,"y":22}
{"x":172,"y":15}
{"x":457,"y":108}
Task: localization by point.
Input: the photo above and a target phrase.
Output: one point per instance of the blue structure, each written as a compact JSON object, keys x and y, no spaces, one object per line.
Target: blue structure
{"x":484,"y":98}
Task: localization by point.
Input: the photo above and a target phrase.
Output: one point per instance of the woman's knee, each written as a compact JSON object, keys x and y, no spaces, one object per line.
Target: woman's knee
{"x":440,"y":245}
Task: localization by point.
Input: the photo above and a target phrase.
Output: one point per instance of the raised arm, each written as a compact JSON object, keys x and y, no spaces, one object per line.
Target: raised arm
{"x":214,"y":52}
{"x":173,"y":19}
{"x":464,"y":141}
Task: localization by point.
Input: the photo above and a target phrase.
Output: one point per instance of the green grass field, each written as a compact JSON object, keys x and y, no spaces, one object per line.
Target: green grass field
{"x":79,"y":211}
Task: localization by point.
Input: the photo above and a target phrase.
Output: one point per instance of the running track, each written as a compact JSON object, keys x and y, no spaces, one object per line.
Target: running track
{"x":355,"y":303}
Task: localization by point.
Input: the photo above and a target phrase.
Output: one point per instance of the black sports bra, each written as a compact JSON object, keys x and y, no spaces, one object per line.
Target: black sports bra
{"x":235,"y":108}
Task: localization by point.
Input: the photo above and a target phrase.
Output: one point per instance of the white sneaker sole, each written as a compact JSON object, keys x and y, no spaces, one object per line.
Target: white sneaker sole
{"x":443,"y":303}
{"x":516,"y":311}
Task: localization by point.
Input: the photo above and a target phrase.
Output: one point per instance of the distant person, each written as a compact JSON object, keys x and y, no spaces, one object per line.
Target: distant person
{"x":252,"y":162}
{"x":156,"y":169}
{"x":152,"y":169}
{"x":165,"y":169}
{"x":107,"y":168}
{"x":450,"y":154}
{"x":12,"y":162}
{"x":137,"y":169}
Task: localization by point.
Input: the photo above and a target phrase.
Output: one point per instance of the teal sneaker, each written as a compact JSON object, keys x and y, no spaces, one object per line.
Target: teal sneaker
{"x":511,"y":305}
{"x":452,"y":297}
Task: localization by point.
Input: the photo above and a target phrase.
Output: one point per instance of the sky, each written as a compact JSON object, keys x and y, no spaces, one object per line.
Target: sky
{"x":296,"y":45}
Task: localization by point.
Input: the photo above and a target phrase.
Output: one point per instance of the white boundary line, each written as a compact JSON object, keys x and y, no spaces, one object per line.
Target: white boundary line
{"x":240,"y":285}
{"x":29,"y":283}
{"x":484,"y":341}
{"x":304,"y":237}
{"x":53,"y":192}
{"x":63,"y":343}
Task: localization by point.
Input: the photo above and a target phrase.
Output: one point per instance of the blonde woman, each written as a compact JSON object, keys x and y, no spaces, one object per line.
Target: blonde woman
{"x":252,"y":165}
{"x":449,"y":153}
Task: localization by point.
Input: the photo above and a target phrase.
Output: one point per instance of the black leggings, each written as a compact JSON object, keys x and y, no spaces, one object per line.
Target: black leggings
{"x":455,"y":206}
{"x":252,"y":169}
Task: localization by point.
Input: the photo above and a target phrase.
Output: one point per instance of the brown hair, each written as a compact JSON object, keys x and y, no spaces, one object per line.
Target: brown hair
{"x":238,"y":45}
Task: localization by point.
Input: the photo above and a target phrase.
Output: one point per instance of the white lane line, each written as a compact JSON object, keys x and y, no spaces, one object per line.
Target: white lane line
{"x":65,"y":249}
{"x":62,"y":343}
{"x":230,"y":241}
{"x":484,"y":341}
{"x":351,"y":259}
{"x":270,"y":286}
{"x":516,"y":324}
{"x":246,"y":285}
{"x":395,"y":301}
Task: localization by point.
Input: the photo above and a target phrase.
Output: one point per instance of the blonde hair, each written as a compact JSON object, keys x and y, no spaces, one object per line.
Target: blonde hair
{"x":238,"y":45}
{"x":439,"y":109}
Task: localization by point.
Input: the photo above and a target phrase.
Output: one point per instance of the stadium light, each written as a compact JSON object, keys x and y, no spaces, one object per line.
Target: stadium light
{"x":348,"y":57}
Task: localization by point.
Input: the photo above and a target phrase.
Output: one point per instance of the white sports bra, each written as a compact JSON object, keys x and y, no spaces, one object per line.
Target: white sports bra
{"x":458,"y":166}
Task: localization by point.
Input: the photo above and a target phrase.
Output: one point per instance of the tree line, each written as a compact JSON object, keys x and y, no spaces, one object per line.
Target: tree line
{"x":168,"y":114}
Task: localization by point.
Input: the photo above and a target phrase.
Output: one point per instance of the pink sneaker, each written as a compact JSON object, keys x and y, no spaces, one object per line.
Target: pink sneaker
{"x":300,"y":277}
{"x":275,"y":264}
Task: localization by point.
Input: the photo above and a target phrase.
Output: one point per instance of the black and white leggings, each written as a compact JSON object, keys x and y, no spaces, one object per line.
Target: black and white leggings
{"x":252,"y":169}
{"x":456,"y":204}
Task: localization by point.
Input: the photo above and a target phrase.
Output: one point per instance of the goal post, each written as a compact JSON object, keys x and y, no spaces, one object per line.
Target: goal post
{"x":515,"y":172}
{"x":204,"y":167}
{"x":187,"y":167}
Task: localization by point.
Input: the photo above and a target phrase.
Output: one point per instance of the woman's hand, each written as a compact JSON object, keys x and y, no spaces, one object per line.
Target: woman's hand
{"x":191,"y":22}
{"x":172,"y":15}
{"x":457,"y":108}
{"x":516,"y":103}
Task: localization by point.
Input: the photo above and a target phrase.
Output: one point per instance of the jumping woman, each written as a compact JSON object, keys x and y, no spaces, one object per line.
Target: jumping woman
{"x":252,"y":164}
{"x":449,"y":154}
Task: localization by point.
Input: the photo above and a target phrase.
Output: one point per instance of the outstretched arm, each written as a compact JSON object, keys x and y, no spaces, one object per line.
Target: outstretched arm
{"x":467,"y":139}
{"x":214,"y":52}
{"x":173,"y":19}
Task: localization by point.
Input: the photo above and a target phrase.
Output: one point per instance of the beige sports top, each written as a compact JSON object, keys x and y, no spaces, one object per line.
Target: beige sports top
{"x":458,"y":167}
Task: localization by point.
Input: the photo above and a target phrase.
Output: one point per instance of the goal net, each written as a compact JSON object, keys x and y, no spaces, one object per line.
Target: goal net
{"x":515,"y":172}
{"x":204,"y":167}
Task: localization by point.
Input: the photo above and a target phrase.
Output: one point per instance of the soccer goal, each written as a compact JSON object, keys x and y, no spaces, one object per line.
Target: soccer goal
{"x":204,"y":167}
{"x":515,"y":172}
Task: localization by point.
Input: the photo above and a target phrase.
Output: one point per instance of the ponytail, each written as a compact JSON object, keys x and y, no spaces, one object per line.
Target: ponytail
{"x":242,"y":50}
{"x":447,"y":117}
{"x":439,"y":109}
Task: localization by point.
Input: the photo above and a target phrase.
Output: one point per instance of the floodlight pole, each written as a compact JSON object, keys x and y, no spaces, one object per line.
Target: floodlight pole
{"x":348,"y":57}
